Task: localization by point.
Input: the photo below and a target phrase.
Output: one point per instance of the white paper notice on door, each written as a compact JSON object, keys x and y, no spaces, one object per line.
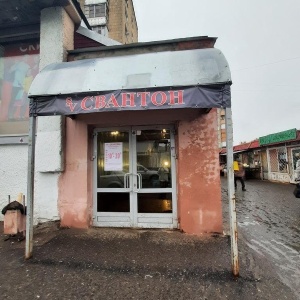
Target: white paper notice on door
{"x":113,"y":156}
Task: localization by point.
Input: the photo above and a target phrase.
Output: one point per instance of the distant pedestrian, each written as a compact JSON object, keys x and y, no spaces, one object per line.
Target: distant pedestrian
{"x":239,"y":173}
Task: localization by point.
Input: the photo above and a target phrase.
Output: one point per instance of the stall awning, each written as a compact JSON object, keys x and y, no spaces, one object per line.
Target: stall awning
{"x":198,"y":78}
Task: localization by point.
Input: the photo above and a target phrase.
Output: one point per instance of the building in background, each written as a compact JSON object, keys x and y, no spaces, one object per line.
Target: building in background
{"x":272,"y":157}
{"x":112,"y":18}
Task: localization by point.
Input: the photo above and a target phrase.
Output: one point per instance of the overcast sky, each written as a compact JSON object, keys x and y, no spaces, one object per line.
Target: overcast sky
{"x":261,"y":41}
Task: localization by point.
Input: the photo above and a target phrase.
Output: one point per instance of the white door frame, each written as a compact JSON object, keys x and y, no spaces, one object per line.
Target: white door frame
{"x":133,"y":218}
{"x":110,"y":219}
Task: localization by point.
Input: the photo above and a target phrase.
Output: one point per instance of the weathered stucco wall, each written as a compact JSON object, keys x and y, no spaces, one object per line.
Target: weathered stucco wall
{"x":75,"y":183}
{"x":57,"y":30}
{"x":48,"y":164}
{"x":13,"y":172}
{"x":199,"y":192}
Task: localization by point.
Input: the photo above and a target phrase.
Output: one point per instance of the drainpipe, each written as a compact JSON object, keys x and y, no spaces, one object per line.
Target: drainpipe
{"x":76,"y":4}
{"x":30,"y":188}
{"x":231,"y":194}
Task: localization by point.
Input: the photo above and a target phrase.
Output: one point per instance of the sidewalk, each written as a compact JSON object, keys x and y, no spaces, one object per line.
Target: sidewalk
{"x":110,"y":263}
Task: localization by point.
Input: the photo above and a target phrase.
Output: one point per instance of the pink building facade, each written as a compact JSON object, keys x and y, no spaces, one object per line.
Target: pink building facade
{"x":198,"y":194}
{"x":140,"y":147}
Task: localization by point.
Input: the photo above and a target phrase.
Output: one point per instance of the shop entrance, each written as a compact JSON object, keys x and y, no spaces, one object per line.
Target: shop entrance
{"x":134,"y":177}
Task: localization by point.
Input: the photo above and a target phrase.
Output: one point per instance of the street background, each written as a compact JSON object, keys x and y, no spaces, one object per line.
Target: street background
{"x":268,"y":217}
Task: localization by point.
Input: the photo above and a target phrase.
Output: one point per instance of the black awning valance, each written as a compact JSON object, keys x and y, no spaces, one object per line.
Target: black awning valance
{"x":139,"y":99}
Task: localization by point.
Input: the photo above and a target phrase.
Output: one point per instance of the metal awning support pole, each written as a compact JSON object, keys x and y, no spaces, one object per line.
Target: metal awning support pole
{"x":231,"y":193}
{"x":30,"y":188}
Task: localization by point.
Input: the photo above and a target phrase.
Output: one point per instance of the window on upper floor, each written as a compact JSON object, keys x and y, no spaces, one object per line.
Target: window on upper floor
{"x":95,"y":10}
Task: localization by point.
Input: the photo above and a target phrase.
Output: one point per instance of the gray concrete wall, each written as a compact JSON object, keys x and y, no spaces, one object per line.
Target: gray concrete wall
{"x":13,"y":172}
{"x":57,"y":36}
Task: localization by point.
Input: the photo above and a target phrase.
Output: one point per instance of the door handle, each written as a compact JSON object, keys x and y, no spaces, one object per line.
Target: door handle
{"x":140,"y":180}
{"x":127,"y":180}
{"x":139,"y":185}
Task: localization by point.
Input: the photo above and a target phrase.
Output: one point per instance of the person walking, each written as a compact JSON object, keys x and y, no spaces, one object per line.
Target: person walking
{"x":239,"y":173}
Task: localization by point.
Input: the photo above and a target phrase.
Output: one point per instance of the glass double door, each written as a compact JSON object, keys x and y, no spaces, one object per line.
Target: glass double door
{"x":134,"y":177}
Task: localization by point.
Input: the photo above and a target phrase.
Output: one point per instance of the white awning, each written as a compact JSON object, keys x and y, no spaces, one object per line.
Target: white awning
{"x":148,"y":70}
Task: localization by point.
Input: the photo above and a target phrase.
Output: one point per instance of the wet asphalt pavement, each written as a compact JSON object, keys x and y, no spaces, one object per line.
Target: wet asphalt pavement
{"x":105,"y":263}
{"x":268,"y":217}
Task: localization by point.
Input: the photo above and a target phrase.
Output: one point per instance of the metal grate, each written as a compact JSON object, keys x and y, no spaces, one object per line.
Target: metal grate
{"x":278,"y":160}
